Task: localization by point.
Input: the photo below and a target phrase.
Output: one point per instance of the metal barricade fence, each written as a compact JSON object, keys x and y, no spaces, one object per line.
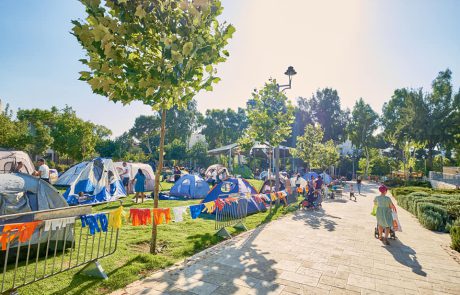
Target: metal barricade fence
{"x":232,"y":214}
{"x":453,"y":179}
{"x":53,"y":250}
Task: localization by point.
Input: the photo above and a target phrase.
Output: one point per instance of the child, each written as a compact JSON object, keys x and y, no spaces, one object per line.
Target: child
{"x":352,"y":192}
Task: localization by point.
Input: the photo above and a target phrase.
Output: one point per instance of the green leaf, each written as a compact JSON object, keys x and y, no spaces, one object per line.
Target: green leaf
{"x":187,"y":49}
{"x":140,"y":12}
{"x":149,"y":91}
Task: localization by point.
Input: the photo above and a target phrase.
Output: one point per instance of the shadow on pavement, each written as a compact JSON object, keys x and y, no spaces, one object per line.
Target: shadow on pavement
{"x":317,"y":219}
{"x":225,"y":269}
{"x":406,"y":256}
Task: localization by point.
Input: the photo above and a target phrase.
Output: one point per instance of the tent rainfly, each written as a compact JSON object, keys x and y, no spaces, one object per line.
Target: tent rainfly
{"x":133,"y":168}
{"x":97,"y":180}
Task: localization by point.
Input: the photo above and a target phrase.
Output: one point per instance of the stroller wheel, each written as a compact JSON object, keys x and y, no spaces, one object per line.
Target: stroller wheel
{"x":376,"y":233}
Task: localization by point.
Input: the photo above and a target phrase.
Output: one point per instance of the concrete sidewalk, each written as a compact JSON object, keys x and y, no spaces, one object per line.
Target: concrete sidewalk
{"x":332,"y":251}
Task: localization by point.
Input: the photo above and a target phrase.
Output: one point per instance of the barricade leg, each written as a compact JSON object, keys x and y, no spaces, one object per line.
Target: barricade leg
{"x":240,"y":225}
{"x":223,"y":232}
{"x":94,"y":269}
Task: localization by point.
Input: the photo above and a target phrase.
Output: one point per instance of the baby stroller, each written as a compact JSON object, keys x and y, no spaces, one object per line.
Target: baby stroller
{"x":311,"y":201}
{"x":392,"y":233}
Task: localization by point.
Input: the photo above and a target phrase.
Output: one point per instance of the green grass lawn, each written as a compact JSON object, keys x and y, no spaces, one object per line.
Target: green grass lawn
{"x":132,"y":260}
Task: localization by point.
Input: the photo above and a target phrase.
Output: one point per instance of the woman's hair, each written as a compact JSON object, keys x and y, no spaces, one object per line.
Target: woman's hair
{"x":140,"y":171}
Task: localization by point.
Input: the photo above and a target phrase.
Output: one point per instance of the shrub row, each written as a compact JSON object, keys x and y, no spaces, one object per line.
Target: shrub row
{"x":435,"y":209}
{"x":397,"y":182}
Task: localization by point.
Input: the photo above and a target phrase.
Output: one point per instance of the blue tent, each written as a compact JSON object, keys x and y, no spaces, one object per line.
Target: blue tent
{"x":98,"y":180}
{"x":326,"y":178}
{"x":308,"y":175}
{"x":234,"y":186}
{"x":191,"y":186}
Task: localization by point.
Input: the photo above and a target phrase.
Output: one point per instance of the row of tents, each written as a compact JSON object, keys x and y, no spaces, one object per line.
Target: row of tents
{"x":98,"y":180}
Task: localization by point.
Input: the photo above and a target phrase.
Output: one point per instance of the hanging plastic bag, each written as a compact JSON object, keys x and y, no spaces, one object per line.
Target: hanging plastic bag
{"x":374,"y":210}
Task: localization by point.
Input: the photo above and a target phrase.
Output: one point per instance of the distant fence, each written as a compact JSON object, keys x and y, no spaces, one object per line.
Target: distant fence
{"x":231,"y":214}
{"x":59,"y":243}
{"x":452,"y":179}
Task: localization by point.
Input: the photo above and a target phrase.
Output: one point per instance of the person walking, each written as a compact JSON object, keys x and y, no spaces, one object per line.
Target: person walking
{"x":177,"y":173}
{"x":126,"y":176}
{"x":43,"y":170}
{"x":358,"y":184}
{"x":383,"y":214}
{"x":139,"y":185}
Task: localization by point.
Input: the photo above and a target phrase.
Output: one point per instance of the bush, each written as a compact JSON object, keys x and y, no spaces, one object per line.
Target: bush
{"x":409,"y":189}
{"x":411,"y":201}
{"x":431,"y":220}
{"x":397,"y":182}
{"x":454,"y":211}
{"x":432,"y":216}
{"x":455,"y":237}
{"x":244,"y":171}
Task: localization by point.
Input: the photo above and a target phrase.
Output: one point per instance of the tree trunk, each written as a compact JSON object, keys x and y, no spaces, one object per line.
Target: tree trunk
{"x":156,"y":190}
{"x":277,"y":168}
{"x":367,"y":162}
{"x":430,"y":159}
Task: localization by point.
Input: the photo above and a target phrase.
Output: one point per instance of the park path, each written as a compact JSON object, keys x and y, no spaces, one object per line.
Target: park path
{"x":322,"y":252}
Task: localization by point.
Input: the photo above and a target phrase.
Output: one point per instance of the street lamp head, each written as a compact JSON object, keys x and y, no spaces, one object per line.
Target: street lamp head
{"x":290,"y":71}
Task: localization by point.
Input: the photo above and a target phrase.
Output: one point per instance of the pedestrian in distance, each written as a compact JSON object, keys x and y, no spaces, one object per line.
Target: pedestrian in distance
{"x":139,"y":185}
{"x":358,"y":184}
{"x":43,"y":171}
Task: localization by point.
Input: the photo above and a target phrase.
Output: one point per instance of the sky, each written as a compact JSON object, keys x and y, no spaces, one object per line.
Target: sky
{"x":362,"y":48}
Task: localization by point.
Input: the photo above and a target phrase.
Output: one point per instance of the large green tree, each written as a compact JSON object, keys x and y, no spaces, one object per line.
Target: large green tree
{"x":270,"y":115}
{"x":323,"y":108}
{"x":414,"y":117}
{"x":181,"y":123}
{"x":74,"y":137}
{"x":363,"y":124}
{"x":13,"y":134}
{"x":222,"y":127}
{"x":39,"y":122}
{"x":307,"y":145}
{"x":327,"y":155}
{"x":158,"y":52}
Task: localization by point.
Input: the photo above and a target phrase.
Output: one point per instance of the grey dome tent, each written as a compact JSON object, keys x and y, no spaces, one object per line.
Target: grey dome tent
{"x":22,"y":193}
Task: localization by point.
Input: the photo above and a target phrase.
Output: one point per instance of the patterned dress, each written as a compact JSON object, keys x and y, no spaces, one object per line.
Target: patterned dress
{"x":383,"y":213}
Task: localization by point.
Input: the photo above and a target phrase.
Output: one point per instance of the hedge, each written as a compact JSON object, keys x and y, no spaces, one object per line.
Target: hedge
{"x":397,"y":182}
{"x":455,"y":236}
{"x":437,"y":210}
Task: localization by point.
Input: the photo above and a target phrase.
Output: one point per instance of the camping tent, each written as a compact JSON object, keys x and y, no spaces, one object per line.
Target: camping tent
{"x":22,"y":193}
{"x":308,"y":175}
{"x":133,"y":167}
{"x":303,"y":182}
{"x":234,"y":186}
{"x":9,"y":160}
{"x":216,"y":167}
{"x":272,"y":183}
{"x":98,"y":180}
{"x":191,"y":186}
{"x":326,"y":178}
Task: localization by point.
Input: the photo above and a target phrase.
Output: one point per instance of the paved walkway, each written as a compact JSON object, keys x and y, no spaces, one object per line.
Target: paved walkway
{"x":325,"y":252}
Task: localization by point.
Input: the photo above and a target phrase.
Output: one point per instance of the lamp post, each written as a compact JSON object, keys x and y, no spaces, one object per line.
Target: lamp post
{"x":289,"y":72}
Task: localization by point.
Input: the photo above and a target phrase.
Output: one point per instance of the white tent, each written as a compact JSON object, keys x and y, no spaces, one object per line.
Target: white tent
{"x":9,"y":160}
{"x":133,"y":167}
{"x":98,"y":180}
{"x":216,"y":167}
